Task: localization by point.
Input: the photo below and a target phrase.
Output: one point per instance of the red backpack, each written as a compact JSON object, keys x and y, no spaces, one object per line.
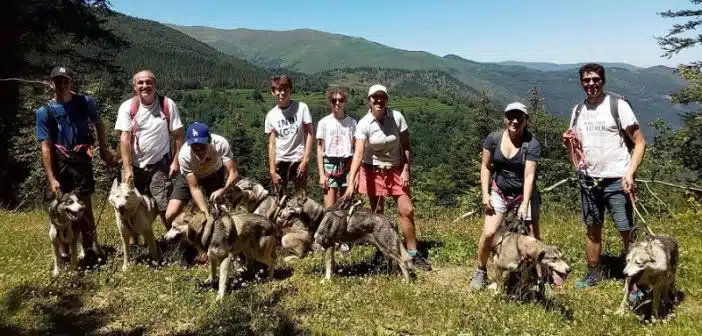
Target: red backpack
{"x":165,"y":109}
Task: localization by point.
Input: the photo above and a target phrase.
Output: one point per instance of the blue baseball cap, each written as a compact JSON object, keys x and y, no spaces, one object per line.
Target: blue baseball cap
{"x":198,"y":133}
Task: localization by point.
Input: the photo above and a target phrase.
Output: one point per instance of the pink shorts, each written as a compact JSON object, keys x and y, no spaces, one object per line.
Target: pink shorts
{"x":381,"y":181}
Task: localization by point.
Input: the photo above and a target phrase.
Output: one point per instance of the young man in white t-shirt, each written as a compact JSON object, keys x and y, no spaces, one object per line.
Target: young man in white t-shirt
{"x":289,"y":126}
{"x":607,"y":178}
{"x":207,"y":170}
{"x":334,"y":147}
{"x":145,"y":140}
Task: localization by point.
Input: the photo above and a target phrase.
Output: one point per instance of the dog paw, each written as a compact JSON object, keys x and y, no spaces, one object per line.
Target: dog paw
{"x":55,"y":272}
{"x":125,"y":267}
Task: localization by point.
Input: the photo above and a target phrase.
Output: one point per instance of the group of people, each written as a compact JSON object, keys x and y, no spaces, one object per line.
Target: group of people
{"x":372,"y":156}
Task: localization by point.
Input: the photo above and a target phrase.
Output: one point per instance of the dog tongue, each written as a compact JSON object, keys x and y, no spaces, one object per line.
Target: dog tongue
{"x":557,"y":280}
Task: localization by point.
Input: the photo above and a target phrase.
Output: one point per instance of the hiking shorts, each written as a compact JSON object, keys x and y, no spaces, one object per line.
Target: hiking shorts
{"x":504,"y":206}
{"x":336,"y":169}
{"x":288,"y":172}
{"x":210,"y":183}
{"x":75,"y":173}
{"x":377,"y":181}
{"x":153,"y":180}
{"x":608,"y":193}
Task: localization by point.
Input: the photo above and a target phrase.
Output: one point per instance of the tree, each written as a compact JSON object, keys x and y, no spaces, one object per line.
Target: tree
{"x":675,"y":41}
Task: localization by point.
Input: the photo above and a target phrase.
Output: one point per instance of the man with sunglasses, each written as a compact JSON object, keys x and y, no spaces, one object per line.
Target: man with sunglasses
{"x":63,"y":128}
{"x":607,"y":177}
{"x":289,"y":128}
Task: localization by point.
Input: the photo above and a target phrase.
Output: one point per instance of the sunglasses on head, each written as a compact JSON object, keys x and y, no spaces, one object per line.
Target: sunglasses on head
{"x":337,"y":100}
{"x":593,"y":79}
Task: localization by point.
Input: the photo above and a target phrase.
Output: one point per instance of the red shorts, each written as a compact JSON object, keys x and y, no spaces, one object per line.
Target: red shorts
{"x":381,"y":181}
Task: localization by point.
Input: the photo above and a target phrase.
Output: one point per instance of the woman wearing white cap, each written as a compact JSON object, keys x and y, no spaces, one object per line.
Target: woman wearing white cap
{"x":507,"y":177}
{"x":382,"y":153}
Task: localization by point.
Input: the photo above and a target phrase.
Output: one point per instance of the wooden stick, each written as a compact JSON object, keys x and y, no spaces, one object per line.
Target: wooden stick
{"x":467,"y":214}
{"x":25,"y":81}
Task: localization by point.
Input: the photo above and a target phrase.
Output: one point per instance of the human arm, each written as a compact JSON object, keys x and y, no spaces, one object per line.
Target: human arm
{"x":232,"y":176}
{"x":178,"y":139}
{"x":275,"y":178}
{"x":320,"y":163}
{"x":636,"y":157}
{"x":485,"y":172}
{"x":406,"y":158}
{"x":125,"y":150}
{"x":359,"y":147}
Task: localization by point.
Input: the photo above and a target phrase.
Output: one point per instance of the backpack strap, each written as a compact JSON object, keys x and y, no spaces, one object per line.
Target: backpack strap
{"x":525,"y":147}
{"x":578,"y":109}
{"x":614,"y":109}
{"x":166,"y":110}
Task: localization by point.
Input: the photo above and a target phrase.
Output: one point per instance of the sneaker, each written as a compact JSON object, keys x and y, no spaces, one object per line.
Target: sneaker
{"x":421,"y":263}
{"x":479,"y":279}
{"x":637,"y":295}
{"x":590,"y":280}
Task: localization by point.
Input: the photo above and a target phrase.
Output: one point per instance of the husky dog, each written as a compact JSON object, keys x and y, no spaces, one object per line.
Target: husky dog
{"x":297,"y":221}
{"x":226,"y":237}
{"x":340,"y":225}
{"x":256,"y":198}
{"x":65,"y":215}
{"x":515,"y":252}
{"x":652,"y":261}
{"x":135,"y":214}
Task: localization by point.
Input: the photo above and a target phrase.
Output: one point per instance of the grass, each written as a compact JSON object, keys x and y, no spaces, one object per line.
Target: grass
{"x":362,"y":299}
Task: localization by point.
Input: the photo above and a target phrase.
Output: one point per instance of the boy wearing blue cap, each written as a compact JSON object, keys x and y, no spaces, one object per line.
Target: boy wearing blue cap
{"x":207,"y":169}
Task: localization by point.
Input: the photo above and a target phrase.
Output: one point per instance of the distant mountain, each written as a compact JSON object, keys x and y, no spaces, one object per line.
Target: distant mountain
{"x":177,"y":57}
{"x":313,"y":51}
{"x":545,"y":66}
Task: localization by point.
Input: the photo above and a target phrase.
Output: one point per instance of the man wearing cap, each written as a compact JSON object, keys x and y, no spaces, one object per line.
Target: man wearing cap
{"x":289,"y":128}
{"x":508,"y":181}
{"x":207,"y":169}
{"x":147,"y":122}
{"x":63,"y":129}
{"x":383,"y":154}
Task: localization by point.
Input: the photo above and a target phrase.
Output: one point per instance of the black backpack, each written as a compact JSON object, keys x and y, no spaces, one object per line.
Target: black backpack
{"x":614,"y":109}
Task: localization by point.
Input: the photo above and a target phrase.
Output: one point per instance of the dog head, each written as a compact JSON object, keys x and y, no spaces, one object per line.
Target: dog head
{"x":189,"y":224}
{"x":252,"y":193}
{"x":123,"y":196}
{"x":647,"y":257}
{"x":67,"y":208}
{"x":309,"y":211}
{"x":552,"y":257}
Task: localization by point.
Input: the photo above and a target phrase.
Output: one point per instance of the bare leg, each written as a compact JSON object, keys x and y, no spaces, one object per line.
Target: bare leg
{"x":492,"y":223}
{"x":174,"y":208}
{"x":406,"y":211}
{"x":593,"y":246}
{"x":330,"y":197}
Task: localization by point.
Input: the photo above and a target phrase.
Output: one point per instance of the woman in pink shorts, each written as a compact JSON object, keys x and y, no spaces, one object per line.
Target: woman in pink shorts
{"x":382,"y":155}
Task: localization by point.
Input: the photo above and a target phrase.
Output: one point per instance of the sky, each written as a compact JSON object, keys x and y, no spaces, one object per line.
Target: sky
{"x":558,"y":31}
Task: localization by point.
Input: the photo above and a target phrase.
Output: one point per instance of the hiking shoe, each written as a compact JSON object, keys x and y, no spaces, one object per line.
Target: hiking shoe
{"x":637,"y":295}
{"x":421,"y":263}
{"x":590,"y":280}
{"x":479,"y":280}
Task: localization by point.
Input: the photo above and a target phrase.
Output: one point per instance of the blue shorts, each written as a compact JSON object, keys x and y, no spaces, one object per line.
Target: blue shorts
{"x":609,"y":193}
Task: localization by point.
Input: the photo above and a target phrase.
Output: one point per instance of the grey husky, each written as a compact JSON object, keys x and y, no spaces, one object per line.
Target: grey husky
{"x":516,"y":252}
{"x":228,"y":236}
{"x":65,"y":215}
{"x":652,"y":261}
{"x":135,"y":214}
{"x":341,"y":225}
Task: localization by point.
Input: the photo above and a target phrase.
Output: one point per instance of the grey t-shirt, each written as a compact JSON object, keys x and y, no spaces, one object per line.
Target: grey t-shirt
{"x":289,"y":125}
{"x":509,"y":172}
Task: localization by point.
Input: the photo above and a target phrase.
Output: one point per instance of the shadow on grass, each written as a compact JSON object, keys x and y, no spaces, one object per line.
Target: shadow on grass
{"x":55,"y":309}
{"x":612,"y":267}
{"x":645,"y":308}
{"x":248,"y":312}
{"x":530,"y":293}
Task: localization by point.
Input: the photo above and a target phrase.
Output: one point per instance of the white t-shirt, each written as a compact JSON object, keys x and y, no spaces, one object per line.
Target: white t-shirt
{"x":605,"y":152}
{"x":290,"y":133}
{"x":337,"y":135}
{"x":218,"y":153}
{"x":154,"y":138}
{"x":383,"y":145}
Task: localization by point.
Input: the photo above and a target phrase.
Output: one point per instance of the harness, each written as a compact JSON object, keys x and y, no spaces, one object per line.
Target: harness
{"x":55,"y":130}
{"x":134,"y":108}
{"x":496,"y":137}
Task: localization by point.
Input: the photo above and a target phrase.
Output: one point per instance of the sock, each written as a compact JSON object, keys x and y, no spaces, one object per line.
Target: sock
{"x":412,"y":253}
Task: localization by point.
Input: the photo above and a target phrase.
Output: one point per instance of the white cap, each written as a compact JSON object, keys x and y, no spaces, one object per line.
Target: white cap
{"x":377,"y":88}
{"x":517,"y":106}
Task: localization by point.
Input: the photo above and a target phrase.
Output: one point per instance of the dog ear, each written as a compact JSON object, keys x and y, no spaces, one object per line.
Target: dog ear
{"x":540,"y":256}
{"x":115,"y":184}
{"x":58,"y":195}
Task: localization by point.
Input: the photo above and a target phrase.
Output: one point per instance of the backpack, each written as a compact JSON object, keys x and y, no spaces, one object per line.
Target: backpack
{"x":614,"y":109}
{"x":134,"y":108}
{"x":54,"y":124}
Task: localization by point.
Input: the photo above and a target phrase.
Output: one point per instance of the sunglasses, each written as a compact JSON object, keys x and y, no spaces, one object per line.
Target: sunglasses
{"x":515,"y":115}
{"x":335,"y":100}
{"x":593,"y":79}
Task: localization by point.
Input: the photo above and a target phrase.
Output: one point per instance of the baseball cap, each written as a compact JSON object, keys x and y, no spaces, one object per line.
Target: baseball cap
{"x":62,"y":71}
{"x":198,"y":133}
{"x":517,"y":106}
{"x":377,"y":88}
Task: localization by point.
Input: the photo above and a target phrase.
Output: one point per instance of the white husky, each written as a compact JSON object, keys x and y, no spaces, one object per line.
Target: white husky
{"x":135,"y":214}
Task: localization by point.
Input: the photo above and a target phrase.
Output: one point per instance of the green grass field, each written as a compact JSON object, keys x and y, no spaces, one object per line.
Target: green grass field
{"x":361,"y":300}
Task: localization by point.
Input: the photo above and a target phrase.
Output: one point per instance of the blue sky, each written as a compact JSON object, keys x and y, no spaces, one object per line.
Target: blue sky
{"x":564,"y":31}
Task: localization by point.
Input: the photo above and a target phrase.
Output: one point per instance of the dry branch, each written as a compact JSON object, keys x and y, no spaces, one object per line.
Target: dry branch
{"x":25,"y":81}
